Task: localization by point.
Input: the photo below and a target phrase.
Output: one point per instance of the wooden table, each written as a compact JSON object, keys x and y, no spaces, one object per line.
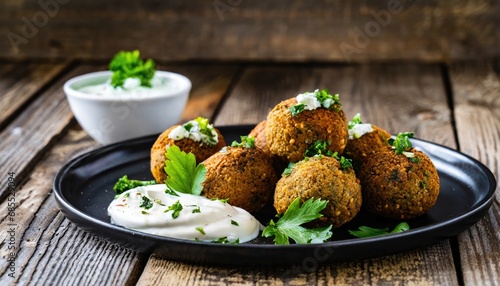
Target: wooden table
{"x":457,"y":106}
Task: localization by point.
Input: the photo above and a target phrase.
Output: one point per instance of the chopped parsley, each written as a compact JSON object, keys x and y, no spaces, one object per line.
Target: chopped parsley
{"x":365,"y":231}
{"x":124,"y":184}
{"x":288,"y":169}
{"x":171,"y":192}
{"x":184,"y":175}
{"x":233,"y":222}
{"x":196,"y":210}
{"x":290,"y":223}
{"x":200,"y":229}
{"x":146,"y":203}
{"x":246,"y":142}
{"x":225,"y":240}
{"x":319,"y":147}
{"x":220,"y":200}
{"x":126,"y":64}
{"x":298,"y":108}
{"x":176,"y":208}
{"x":355,"y":121}
{"x":401,"y":144}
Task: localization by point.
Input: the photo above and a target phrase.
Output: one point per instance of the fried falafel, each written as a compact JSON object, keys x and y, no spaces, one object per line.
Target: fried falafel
{"x":399,"y":185}
{"x":244,"y":176}
{"x":188,"y":143}
{"x":321,"y":177}
{"x":292,"y":127}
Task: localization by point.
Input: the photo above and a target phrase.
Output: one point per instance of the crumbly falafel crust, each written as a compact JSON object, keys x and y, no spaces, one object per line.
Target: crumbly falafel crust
{"x":244,"y":176}
{"x":358,"y":149}
{"x":289,"y":136}
{"x":200,"y":150}
{"x":321,"y":177}
{"x":394,"y":187}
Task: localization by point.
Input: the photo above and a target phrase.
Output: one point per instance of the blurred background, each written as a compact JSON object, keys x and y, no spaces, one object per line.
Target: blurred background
{"x":242,"y":30}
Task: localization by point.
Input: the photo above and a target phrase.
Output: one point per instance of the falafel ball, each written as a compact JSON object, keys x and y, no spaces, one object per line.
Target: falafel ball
{"x":200,"y":149}
{"x":321,"y":177}
{"x":259,"y":133}
{"x":398,"y":187}
{"x":244,"y":176}
{"x":288,"y":136}
{"x":358,"y":148}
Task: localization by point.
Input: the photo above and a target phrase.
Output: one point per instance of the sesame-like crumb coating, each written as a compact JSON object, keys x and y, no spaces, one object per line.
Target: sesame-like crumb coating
{"x":201,"y":151}
{"x":395,"y":187}
{"x":289,"y":136}
{"x":321,"y":177}
{"x":244,"y":176}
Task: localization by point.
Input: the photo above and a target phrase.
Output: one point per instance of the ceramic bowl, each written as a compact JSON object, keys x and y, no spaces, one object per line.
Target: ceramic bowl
{"x":113,"y":118}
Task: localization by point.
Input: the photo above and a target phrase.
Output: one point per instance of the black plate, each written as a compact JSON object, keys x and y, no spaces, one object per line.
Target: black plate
{"x":84,"y":188}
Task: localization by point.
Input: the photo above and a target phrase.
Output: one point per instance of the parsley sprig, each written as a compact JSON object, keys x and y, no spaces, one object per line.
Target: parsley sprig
{"x":290,"y":224}
{"x":183,"y":174}
{"x":124,"y":184}
{"x":126,"y":64}
{"x":402,"y":145}
{"x":365,"y":231}
{"x":246,"y":142}
{"x":325,"y":99}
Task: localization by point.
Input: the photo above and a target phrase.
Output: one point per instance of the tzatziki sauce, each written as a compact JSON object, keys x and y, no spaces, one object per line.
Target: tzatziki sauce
{"x":132,"y":88}
{"x":150,"y":209}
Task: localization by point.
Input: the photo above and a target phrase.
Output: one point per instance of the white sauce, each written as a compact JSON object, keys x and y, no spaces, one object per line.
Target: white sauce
{"x":359,"y":130}
{"x":132,"y":87}
{"x":215,"y":219}
{"x":194,"y":133}
{"x":309,"y":100}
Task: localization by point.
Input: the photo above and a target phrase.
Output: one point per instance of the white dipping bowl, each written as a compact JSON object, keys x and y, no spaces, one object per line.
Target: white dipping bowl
{"x":109,"y":119}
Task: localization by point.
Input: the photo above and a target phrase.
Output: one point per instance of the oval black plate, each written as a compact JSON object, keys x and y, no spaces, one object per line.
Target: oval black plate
{"x":84,"y":188}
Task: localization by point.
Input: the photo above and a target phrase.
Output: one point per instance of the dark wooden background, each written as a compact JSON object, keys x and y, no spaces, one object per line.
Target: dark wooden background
{"x":242,"y":30}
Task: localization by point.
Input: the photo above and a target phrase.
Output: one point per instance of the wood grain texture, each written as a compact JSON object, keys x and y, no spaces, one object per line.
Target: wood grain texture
{"x":401,"y":269}
{"x":19,"y":84}
{"x":283,"y":30}
{"x":476,"y":89}
{"x":400,"y":97}
{"x":49,"y":248}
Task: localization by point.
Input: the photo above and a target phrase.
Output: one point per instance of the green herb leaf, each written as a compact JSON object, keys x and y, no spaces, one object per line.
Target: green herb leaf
{"x":124,"y":184}
{"x":246,"y":142}
{"x":233,"y":222}
{"x":289,"y":225}
{"x":225,"y":240}
{"x":126,"y":64}
{"x":183,"y":175}
{"x":365,"y":231}
{"x":288,"y":169}
{"x":355,"y":121}
{"x":176,"y":208}
{"x":319,"y":147}
{"x":401,"y":143}
{"x":146,"y":203}
{"x":200,"y":229}
{"x":298,"y":108}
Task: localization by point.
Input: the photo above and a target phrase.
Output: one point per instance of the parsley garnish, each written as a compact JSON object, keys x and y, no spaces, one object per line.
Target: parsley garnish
{"x":196,"y":210}
{"x":233,"y":222}
{"x":288,"y":169}
{"x":325,"y":99}
{"x":365,"y":231}
{"x":355,"y":121}
{"x":289,"y":225}
{"x":225,"y":240}
{"x":127,"y":64}
{"x":298,"y":108}
{"x":124,"y":184}
{"x":146,"y":203}
{"x":319,"y":147}
{"x":176,"y":208}
{"x":183,"y":174}
{"x":402,"y":145}
{"x":246,"y":142}
{"x":200,"y":229}
{"x":171,"y":192}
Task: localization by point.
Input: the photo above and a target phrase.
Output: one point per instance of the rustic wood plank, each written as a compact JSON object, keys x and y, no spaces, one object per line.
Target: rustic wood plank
{"x":397,"y":97}
{"x":20,"y":82}
{"x":210,"y":83}
{"x":252,"y":30}
{"x":48,"y":247}
{"x":476,"y":89}
{"x":36,"y":128}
